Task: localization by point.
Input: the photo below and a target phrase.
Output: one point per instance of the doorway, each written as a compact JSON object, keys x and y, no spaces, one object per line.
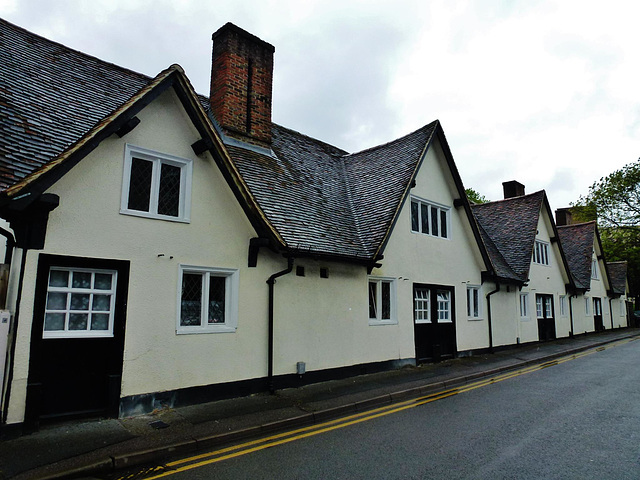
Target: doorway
{"x":434,"y":322}
{"x":546,"y":320}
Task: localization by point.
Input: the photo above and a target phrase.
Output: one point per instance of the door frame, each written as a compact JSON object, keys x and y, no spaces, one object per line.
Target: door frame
{"x":546,"y":322}
{"x":440,"y":337}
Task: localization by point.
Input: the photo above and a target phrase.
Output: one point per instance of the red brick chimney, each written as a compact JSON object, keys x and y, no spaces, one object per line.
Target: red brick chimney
{"x":241,"y":81}
{"x":512,"y":189}
{"x":564,"y":217}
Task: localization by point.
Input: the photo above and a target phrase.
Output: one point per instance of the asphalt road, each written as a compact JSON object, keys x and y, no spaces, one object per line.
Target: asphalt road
{"x":579,"y":419}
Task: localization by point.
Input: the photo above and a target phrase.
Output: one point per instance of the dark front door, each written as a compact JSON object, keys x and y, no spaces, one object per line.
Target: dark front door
{"x":597,"y":315}
{"x":546,"y":321}
{"x":434,"y":322}
{"x":77,"y":337}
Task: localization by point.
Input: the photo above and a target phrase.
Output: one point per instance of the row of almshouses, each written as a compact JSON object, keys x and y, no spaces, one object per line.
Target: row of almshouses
{"x":171,"y":250}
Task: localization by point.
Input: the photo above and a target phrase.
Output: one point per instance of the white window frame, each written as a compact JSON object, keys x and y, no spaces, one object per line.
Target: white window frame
{"x":524,"y":306}
{"x":69,"y":291}
{"x":230,"y":324}
{"x":597,"y":307}
{"x":563,"y":305}
{"x":539,"y":307}
{"x":447,"y":306}
{"x":422,"y":305}
{"x":157,"y":158}
{"x":594,"y":269}
{"x":392,"y":299}
{"x":474,"y":296}
{"x":541,"y":253}
{"x":440,"y":209}
{"x":587,"y":305}
{"x":623,"y":310}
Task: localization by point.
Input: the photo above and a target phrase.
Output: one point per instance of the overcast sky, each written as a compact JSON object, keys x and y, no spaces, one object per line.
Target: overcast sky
{"x":543,"y":92}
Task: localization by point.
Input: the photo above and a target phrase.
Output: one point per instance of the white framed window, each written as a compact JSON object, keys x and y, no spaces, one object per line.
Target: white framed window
{"x":474,"y":305}
{"x":444,"y":306}
{"x":587,"y":306}
{"x":623,"y":311}
{"x":430,"y":218}
{"x":382,"y":303}
{"x":594,"y":269}
{"x":524,"y":306}
{"x":156,"y":185}
{"x":80,"y":303}
{"x":207,"y":300}
{"x":597,"y":307}
{"x":422,"y":305}
{"x":539,"y":307}
{"x":541,"y":252}
{"x":563,"y":305}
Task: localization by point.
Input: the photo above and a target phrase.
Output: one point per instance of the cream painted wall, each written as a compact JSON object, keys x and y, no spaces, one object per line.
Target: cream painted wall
{"x":417,"y":258}
{"x":88,"y":223}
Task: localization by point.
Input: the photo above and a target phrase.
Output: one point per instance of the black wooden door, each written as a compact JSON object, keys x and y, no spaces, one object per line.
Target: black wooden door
{"x":434,"y":322}
{"x":597,"y":315}
{"x":77,"y":338}
{"x":546,"y":320}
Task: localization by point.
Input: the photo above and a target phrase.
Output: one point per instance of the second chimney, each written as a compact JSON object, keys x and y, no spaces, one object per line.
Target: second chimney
{"x":512,"y":189}
{"x":564,"y":217}
{"x":241,"y":84}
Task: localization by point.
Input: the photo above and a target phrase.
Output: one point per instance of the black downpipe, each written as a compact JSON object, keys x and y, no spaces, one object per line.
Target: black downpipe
{"x":14,"y":339}
{"x":611,"y":311}
{"x":571,"y":333}
{"x":489,"y":316}
{"x":271,"y":282}
{"x":11,"y":243}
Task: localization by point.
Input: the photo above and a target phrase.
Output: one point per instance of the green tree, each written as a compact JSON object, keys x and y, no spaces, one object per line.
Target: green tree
{"x":474,"y":196}
{"x":614,"y":201}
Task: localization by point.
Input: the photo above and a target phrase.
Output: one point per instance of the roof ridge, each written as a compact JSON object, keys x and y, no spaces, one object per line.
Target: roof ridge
{"x":502,"y":200}
{"x":391,"y":142}
{"x":581,"y":224}
{"x":309,"y":137}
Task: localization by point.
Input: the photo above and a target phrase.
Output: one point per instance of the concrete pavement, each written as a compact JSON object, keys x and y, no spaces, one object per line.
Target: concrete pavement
{"x":99,"y":447}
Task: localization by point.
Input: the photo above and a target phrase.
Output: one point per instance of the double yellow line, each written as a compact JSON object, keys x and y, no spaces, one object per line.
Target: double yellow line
{"x":298,"y":434}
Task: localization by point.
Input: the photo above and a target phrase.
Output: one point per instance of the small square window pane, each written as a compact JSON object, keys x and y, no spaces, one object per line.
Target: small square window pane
{"x":103,"y":281}
{"x":81,"y":280}
{"x":80,"y":301}
{"x":54,"y":322}
{"x":58,"y":278}
{"x":101,"y":303}
{"x":78,"y":321}
{"x":216,"y":299}
{"x":100,"y":321}
{"x":56,"y":301}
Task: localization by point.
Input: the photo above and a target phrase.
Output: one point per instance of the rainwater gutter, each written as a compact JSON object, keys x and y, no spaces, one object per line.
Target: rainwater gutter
{"x":271,"y":282}
{"x":489,"y":316}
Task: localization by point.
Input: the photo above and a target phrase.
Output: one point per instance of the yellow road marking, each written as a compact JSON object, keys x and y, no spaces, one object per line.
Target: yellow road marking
{"x":304,"y":432}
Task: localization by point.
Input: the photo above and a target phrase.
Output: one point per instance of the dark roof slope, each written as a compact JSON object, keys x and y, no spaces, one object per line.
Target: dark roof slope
{"x":508,"y":229}
{"x":618,"y":277}
{"x":50,"y":96}
{"x":577,"y":243}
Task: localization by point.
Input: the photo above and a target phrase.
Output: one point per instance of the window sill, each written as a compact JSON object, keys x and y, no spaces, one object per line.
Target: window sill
{"x":475,"y":319}
{"x":375,"y":323}
{"x":197,"y":330}
{"x":136,"y":213}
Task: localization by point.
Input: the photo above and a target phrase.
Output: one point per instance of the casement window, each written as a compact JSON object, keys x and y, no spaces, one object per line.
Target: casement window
{"x":430,"y":219}
{"x":594,"y":269}
{"x":156,"y":185}
{"x":587,"y":306}
{"x":382,"y":293}
{"x":541,"y":253}
{"x":524,"y":306}
{"x":80,"y":303}
{"x":422,"y":305}
{"x":208,"y":300}
{"x":474,"y":308}
{"x":563,"y":305}
{"x":539,"y":307}
{"x":597,"y":307}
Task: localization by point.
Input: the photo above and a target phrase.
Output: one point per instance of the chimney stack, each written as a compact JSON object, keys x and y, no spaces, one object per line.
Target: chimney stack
{"x":564,"y":217}
{"x":241,"y":84}
{"x":512,"y":189}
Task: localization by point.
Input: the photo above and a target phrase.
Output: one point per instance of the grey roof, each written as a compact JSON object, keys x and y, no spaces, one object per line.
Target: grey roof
{"x":577,"y":242}
{"x":318,"y":198}
{"x":618,"y":277}
{"x":508,"y":228}
{"x":50,"y":96}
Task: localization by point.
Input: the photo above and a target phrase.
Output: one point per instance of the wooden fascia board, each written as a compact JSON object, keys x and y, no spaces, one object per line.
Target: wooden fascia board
{"x":601,"y":257}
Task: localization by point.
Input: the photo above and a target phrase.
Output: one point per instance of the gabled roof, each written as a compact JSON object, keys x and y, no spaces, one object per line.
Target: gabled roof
{"x":577,"y":242}
{"x":618,"y":277}
{"x":508,"y":230}
{"x":308,"y":197}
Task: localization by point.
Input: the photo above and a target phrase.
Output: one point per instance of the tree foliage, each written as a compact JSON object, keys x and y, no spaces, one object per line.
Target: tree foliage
{"x":614,"y":201}
{"x":474,"y":196}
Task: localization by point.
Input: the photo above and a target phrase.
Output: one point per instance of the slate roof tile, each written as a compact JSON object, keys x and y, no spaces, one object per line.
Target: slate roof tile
{"x":508,"y":229}
{"x":577,"y":242}
{"x":618,"y":276}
